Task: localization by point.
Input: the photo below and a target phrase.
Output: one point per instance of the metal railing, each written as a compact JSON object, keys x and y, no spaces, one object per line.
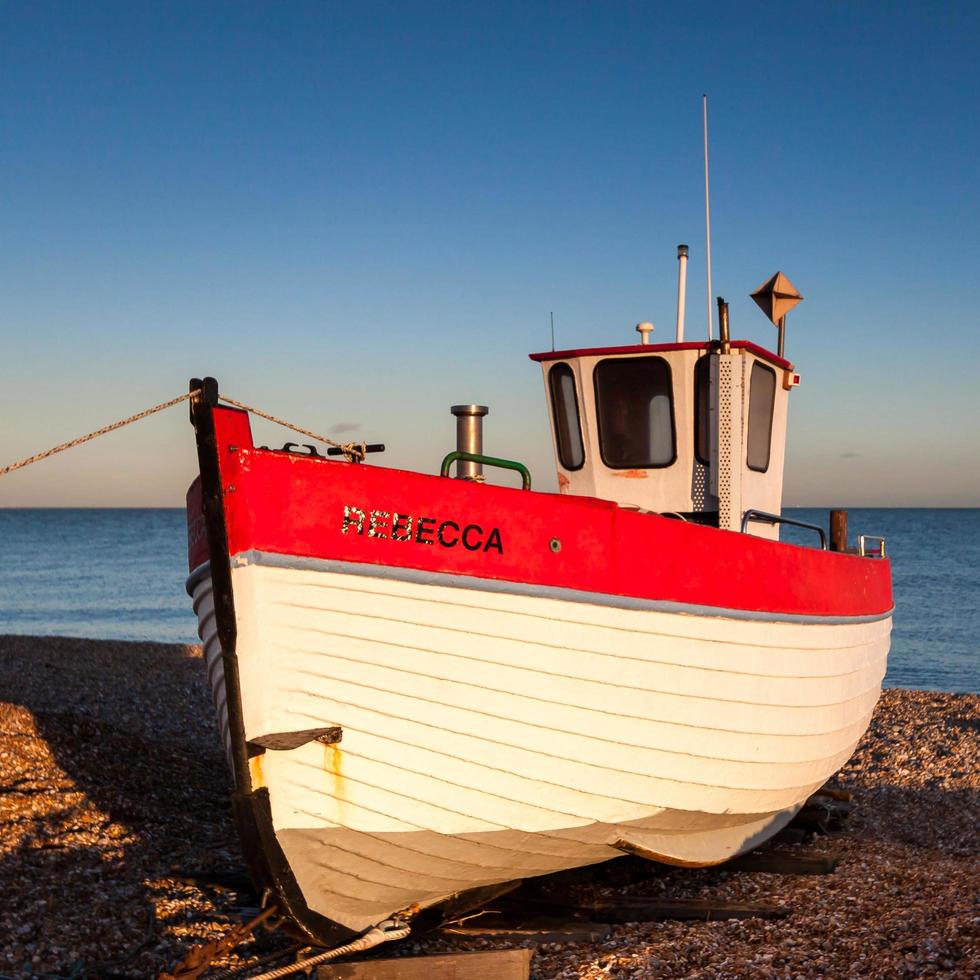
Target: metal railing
{"x":877,"y":551}
{"x":504,"y":464}
{"x":762,"y":517}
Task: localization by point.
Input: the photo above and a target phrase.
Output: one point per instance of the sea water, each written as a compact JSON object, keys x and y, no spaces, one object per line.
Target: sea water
{"x":107,"y":574}
{"x":119,"y":574}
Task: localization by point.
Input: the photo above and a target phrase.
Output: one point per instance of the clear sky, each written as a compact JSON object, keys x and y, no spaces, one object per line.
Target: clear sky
{"x":356,"y":215}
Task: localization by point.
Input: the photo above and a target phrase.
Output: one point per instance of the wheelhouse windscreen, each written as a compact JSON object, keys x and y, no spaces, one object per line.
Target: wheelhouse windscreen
{"x":634,"y":402}
{"x":568,"y":427}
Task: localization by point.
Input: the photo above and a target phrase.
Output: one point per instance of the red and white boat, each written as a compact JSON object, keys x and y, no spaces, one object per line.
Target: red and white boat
{"x":428,"y":687}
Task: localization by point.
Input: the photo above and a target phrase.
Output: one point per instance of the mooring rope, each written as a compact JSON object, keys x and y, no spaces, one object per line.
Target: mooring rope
{"x":351,"y":450}
{"x":37,"y":457}
{"x":374,"y":936}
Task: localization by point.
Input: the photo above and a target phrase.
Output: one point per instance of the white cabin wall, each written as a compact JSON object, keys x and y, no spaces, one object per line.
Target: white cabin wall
{"x":764,"y":491}
{"x":579,"y":482}
{"x":661,"y":489}
{"x":673,"y":488}
{"x":686,"y":484}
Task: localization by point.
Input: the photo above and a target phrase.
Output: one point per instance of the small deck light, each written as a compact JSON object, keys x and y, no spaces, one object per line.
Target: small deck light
{"x":644,"y":330}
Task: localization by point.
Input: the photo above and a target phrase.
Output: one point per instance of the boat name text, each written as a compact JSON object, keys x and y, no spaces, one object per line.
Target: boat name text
{"x":390,"y":525}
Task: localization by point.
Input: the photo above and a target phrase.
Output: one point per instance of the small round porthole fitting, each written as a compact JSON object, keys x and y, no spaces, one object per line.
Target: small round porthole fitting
{"x":555,"y":545}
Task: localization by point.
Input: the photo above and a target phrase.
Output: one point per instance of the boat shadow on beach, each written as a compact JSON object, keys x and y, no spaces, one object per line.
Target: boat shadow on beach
{"x":112,"y":785}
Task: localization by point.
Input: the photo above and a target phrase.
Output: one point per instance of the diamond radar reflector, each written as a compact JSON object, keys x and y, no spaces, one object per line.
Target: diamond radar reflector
{"x":776,"y":297}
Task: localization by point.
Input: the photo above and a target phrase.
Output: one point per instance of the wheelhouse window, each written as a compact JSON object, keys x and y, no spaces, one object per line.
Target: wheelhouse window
{"x":568,"y":425}
{"x":634,"y":402}
{"x":702,"y":389}
{"x":762,"y":399}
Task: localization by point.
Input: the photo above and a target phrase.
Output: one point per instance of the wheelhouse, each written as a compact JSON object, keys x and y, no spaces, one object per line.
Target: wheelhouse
{"x":683,"y":429}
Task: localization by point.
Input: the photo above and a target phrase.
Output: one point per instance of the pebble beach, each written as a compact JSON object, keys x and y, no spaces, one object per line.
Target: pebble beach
{"x":118,"y":852}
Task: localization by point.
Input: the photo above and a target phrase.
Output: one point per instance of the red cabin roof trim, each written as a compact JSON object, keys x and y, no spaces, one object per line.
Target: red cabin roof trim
{"x":564,"y":355}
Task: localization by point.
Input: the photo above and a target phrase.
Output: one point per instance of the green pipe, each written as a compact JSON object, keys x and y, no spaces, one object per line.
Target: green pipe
{"x":504,"y":464}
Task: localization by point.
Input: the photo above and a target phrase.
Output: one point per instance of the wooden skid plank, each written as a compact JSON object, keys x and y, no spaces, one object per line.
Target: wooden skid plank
{"x":639,"y":909}
{"x":540,"y":928}
{"x":501,"y":964}
{"x":782,"y":863}
{"x":790,"y":835}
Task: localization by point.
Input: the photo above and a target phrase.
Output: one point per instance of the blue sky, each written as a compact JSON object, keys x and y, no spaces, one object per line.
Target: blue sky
{"x":360,"y":214}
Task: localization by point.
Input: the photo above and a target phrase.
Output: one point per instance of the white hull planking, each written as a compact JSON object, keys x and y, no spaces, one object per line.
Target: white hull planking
{"x":489,"y":736}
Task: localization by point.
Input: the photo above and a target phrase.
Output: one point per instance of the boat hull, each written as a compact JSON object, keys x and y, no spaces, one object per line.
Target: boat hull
{"x":493,"y":731}
{"x":427,"y":688}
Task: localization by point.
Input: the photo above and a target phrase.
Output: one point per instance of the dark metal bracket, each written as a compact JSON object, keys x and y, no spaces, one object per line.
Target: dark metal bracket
{"x":285,"y":741}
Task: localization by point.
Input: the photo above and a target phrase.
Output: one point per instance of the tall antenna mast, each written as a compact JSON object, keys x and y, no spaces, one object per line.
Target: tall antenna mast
{"x":552,"y":331}
{"x":707,"y":212}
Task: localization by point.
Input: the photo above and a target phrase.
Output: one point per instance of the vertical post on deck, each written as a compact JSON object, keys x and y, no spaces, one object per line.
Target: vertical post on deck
{"x":838,"y":530}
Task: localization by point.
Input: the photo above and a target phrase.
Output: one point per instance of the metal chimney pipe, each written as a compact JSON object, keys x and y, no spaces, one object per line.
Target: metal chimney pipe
{"x":469,"y":438}
{"x":723,"y":326}
{"x":681,"y":290}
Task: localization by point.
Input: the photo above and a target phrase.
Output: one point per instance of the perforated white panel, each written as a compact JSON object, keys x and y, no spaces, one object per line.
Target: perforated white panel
{"x":699,"y":487}
{"x":729,"y":441}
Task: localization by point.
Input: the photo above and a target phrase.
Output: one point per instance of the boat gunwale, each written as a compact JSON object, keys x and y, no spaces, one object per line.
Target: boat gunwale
{"x":461,"y":580}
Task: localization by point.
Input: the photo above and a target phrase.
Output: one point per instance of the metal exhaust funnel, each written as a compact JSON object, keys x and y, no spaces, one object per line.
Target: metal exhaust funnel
{"x":469,"y":438}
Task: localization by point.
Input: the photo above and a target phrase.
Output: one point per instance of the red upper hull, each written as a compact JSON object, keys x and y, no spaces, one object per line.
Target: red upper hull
{"x":317,"y":508}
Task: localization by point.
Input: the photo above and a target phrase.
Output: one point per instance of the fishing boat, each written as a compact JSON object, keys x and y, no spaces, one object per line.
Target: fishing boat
{"x":429,"y":687}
